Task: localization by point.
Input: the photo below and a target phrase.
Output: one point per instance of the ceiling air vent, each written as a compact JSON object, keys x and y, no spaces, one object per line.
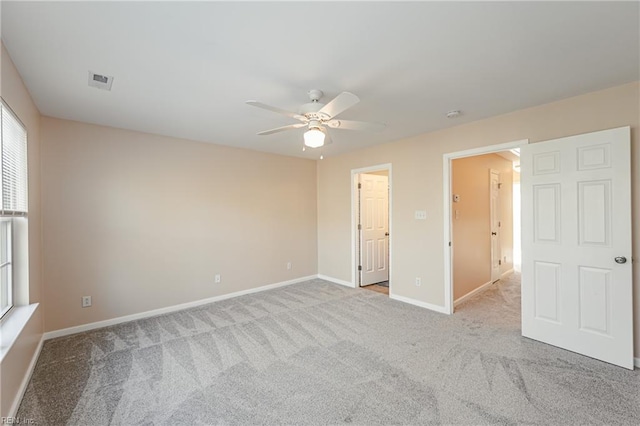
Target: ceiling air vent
{"x":100,"y":81}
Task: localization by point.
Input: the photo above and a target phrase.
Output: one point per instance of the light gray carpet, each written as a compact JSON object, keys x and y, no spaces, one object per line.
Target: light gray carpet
{"x":319,"y":353}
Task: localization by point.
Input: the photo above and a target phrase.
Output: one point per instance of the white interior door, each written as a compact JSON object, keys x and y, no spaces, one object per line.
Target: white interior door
{"x":576,"y":244}
{"x":494,"y":214}
{"x":374,"y":235}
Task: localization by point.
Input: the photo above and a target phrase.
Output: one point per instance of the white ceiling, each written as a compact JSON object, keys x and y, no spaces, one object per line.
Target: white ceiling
{"x":186,"y":69}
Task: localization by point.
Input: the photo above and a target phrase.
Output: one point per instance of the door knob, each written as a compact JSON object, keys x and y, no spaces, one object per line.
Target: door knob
{"x":386,"y":234}
{"x":621,"y":259}
{"x":494,"y":233}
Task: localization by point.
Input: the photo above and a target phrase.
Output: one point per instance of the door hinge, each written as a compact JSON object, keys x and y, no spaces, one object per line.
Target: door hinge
{"x":359,"y":185}
{"x":499,"y":185}
{"x":359,"y":227}
{"x":449,"y":243}
{"x":359,"y":267}
{"x":499,"y":262}
{"x":499,"y":224}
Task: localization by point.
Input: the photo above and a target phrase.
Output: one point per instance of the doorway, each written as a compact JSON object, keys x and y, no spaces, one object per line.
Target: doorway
{"x":576,"y":279}
{"x":479,"y":243}
{"x":371,"y":234}
{"x":482,"y":221}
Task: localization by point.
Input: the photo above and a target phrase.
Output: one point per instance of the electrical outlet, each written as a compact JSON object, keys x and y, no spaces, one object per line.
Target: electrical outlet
{"x":86,"y":301}
{"x":217,"y":278}
{"x":421,"y":214}
{"x":289,"y":265}
{"x":418,"y":281}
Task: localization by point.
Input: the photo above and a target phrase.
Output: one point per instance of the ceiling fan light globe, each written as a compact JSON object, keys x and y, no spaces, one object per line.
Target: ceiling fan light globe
{"x":314,"y":138}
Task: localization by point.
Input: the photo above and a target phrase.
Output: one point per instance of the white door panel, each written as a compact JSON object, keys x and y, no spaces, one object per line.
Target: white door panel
{"x":494,"y":214}
{"x":576,"y":219}
{"x":374,"y":236}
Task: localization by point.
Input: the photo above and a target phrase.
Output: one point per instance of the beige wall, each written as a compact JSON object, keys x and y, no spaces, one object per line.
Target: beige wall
{"x":472,"y":227}
{"x":417,"y":245}
{"x":14,"y":366}
{"x":141,"y":222}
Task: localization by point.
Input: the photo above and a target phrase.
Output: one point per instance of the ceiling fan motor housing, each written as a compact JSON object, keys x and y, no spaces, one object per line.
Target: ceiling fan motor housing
{"x":315,"y":124}
{"x":315,"y":95}
{"x":310,"y":108}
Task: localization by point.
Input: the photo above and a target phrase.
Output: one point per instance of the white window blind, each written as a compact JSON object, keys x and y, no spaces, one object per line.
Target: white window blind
{"x":13,"y":164}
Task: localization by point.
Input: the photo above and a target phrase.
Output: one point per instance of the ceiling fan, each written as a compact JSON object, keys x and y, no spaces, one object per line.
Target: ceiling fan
{"x":318,"y":117}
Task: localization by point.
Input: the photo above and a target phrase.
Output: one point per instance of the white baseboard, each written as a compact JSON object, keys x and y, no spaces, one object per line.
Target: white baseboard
{"x":472,"y":293}
{"x":335,"y":280}
{"x":155,"y":312}
{"x":636,"y":361}
{"x":13,"y":411}
{"x":509,"y":272}
{"x":440,"y":309}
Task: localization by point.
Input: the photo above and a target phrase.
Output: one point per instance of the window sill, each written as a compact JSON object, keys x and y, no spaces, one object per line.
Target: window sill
{"x":12,"y":326}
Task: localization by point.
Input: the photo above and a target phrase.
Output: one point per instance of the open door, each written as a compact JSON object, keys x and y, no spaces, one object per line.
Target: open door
{"x":374,"y":228}
{"x":576,"y":245}
{"x":494,"y":214}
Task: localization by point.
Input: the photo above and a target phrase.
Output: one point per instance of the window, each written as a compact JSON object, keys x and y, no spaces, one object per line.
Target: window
{"x":6,"y":273}
{"x":13,"y":199}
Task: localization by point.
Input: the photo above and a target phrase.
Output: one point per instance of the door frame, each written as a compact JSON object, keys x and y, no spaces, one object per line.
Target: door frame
{"x":448,"y":224}
{"x":354,"y":219}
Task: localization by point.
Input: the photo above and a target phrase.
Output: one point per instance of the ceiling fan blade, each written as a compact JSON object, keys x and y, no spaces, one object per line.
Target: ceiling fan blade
{"x":276,"y":109}
{"x":355,"y":125}
{"x":282,"y":129}
{"x":343,"y":101}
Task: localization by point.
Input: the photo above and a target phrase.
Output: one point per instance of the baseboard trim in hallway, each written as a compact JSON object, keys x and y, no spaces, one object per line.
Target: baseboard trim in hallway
{"x":637,"y":362}
{"x":155,"y":312}
{"x":472,"y":293}
{"x":506,"y":273}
